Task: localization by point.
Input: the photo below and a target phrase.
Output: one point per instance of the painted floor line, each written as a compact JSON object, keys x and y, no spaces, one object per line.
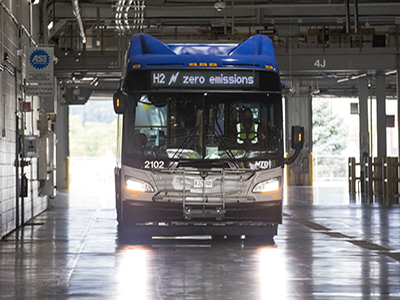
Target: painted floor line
{"x":69,"y":269}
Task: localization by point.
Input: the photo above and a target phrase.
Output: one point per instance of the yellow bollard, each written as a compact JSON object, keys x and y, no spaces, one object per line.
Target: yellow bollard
{"x":287,"y":172}
{"x":310,"y":168}
{"x":352,"y":175}
{"x":67,"y":172}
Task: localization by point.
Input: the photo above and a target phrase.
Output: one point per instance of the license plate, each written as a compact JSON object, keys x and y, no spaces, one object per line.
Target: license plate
{"x":199,"y":183}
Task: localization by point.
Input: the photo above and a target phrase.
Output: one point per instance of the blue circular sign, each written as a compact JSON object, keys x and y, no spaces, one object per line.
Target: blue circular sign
{"x":39,"y":59}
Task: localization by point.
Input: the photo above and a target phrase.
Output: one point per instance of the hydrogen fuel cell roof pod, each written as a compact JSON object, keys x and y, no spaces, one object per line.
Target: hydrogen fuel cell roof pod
{"x":146,"y":52}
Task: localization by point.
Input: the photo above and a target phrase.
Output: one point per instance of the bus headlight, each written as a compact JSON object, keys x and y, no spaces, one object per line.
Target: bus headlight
{"x":268,"y":186}
{"x":136,"y":185}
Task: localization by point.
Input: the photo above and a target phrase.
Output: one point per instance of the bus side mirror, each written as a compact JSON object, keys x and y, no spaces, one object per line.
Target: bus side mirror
{"x":119,"y":100}
{"x":297,"y":137}
{"x":297,"y":143}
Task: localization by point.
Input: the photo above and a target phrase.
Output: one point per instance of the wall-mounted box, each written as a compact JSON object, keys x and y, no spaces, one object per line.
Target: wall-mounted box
{"x":31,"y":146}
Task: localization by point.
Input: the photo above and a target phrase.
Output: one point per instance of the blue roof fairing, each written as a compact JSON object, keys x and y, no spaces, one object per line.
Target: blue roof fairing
{"x":150,"y":53}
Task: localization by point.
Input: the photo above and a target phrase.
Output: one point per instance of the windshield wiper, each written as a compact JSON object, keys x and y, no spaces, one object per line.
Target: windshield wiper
{"x":185,"y":143}
{"x":226,"y":147}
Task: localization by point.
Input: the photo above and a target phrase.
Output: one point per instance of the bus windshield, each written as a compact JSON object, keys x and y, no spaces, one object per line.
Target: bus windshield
{"x":204,"y":126}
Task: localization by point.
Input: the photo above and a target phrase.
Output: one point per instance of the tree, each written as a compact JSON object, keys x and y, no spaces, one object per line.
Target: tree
{"x":329,"y":140}
{"x":329,"y":131}
{"x":76,"y":136}
{"x":92,"y":138}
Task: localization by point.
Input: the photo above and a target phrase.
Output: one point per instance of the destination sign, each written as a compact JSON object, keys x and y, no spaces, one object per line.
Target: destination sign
{"x":204,"y":79}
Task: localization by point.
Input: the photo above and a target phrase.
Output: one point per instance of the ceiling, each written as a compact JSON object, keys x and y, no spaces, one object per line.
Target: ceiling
{"x":324,"y":44}
{"x":128,"y":16}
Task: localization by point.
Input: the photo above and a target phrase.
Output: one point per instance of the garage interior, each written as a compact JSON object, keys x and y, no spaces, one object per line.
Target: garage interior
{"x":60,"y":241}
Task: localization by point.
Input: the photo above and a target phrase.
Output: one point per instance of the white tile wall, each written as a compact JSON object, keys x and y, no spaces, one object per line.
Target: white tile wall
{"x":33,"y":203}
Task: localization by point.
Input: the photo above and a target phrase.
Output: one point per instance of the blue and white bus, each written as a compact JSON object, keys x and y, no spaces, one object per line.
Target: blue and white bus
{"x":201,"y":139}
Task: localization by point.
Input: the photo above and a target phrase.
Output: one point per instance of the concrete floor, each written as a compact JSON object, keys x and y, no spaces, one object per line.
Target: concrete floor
{"x":327,"y":248}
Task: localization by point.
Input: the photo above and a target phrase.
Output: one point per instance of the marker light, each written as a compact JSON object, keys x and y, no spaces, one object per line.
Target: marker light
{"x":269,"y":67}
{"x":136,"y":66}
{"x":268,"y":186}
{"x":203,"y":64}
{"x":136,"y":185}
{"x":213,"y":64}
{"x":193,"y":64}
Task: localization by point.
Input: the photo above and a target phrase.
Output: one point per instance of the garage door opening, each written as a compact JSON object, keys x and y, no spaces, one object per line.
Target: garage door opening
{"x":92,"y":147}
{"x":335,"y":139}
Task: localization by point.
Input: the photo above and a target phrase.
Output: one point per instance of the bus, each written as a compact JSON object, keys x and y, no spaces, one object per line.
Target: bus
{"x":200,"y":137}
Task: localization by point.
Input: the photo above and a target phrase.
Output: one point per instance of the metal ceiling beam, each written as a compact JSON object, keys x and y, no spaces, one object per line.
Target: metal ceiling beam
{"x":309,"y":61}
{"x":334,"y":63}
{"x":337,"y":60}
{"x":63,"y":11}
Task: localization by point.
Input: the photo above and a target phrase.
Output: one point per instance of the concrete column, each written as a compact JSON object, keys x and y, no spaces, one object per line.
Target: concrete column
{"x":381,"y":127}
{"x":381,"y":114}
{"x":398,"y":109}
{"x":62,"y":133}
{"x":398,"y":99}
{"x":363,"y":118}
{"x":298,"y":111}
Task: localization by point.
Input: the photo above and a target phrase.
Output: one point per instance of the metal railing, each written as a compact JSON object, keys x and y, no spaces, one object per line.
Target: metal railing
{"x":378,"y":177}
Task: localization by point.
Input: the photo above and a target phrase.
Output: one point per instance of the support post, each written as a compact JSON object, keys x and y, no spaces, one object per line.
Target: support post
{"x":352,"y":176}
{"x":381,"y":114}
{"x":381,"y":125}
{"x":61,"y":130}
{"x":299,"y":112}
{"x":398,"y":111}
{"x":367,"y":162}
{"x":363,"y":121}
{"x":390,"y":164}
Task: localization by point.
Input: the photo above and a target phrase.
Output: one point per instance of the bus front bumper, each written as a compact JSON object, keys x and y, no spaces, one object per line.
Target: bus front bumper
{"x":141,"y":212}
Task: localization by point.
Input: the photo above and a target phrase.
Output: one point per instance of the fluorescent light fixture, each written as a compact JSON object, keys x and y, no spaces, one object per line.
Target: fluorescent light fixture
{"x":391,"y":72}
{"x":352,"y":77}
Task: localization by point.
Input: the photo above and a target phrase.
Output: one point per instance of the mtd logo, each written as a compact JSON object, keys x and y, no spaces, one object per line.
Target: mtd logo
{"x":39,"y":59}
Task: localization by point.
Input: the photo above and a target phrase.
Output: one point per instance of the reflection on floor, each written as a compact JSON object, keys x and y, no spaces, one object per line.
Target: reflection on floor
{"x":328,"y":247}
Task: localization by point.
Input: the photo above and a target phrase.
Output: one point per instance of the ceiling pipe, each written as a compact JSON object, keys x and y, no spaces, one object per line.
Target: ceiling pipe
{"x":347,"y":2}
{"x":77,"y":14}
{"x":233,"y":18}
{"x":44,"y":20}
{"x":356,"y":21}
